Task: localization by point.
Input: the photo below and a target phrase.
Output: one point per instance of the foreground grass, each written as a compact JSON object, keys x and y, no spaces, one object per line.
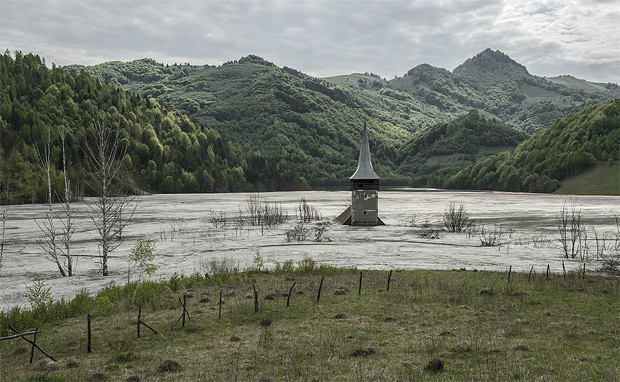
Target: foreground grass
{"x":480,"y":326}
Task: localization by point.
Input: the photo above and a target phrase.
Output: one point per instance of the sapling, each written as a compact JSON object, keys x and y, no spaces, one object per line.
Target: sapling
{"x":141,"y":257}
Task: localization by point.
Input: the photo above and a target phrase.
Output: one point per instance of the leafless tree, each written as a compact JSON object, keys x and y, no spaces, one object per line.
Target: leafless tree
{"x":67,"y":219}
{"x":56,"y":243}
{"x":105,"y":154}
{"x":2,"y":238}
{"x":572,"y":235}
{"x":47,"y":227}
{"x":456,"y":219}
{"x":307,"y":212}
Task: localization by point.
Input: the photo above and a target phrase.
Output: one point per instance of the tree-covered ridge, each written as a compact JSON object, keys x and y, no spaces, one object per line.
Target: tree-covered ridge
{"x":567,"y":147}
{"x":493,"y":82}
{"x":459,"y":141}
{"x":303,"y":124}
{"x":166,"y":152}
{"x":311,"y":126}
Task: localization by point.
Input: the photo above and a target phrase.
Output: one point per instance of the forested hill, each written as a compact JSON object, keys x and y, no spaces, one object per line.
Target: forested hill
{"x":166,"y":152}
{"x":567,"y":147}
{"x":456,"y":144}
{"x":302,"y":123}
{"x":493,"y":82}
{"x":311,"y":126}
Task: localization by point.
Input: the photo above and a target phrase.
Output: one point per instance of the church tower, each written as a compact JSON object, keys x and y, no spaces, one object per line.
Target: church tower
{"x":364,"y":208}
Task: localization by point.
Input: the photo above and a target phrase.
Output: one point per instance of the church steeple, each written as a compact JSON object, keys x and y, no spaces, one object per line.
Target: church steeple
{"x":364,"y":165}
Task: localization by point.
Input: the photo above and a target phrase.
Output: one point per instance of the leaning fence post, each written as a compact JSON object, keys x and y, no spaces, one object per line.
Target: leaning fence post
{"x":530,"y":274}
{"x":183,"y":314}
{"x":88,"y":348}
{"x":547,"y":272}
{"x":509,"y":271}
{"x":289,"y":293}
{"x":34,"y":341}
{"x":318,"y":296}
{"x":184,"y":310}
{"x":389,"y":279}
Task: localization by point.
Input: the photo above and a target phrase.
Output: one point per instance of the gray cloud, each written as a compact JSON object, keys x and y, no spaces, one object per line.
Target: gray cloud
{"x":322,"y":37}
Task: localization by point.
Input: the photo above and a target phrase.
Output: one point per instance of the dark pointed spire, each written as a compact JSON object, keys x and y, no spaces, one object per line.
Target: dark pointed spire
{"x":364,"y":165}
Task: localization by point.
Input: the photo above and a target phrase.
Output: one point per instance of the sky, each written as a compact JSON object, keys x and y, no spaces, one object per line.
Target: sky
{"x":322,"y":37}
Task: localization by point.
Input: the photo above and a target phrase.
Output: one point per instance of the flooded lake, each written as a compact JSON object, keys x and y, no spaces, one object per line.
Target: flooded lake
{"x":527,"y":221}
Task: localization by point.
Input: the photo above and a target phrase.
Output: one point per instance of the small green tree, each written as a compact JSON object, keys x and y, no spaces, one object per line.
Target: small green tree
{"x":141,"y":257}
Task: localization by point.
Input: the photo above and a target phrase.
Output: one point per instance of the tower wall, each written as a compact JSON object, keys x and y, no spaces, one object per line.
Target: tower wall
{"x":365,"y":202}
{"x":365,"y":207}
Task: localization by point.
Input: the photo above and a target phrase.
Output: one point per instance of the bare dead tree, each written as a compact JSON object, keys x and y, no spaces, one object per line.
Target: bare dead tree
{"x":572,"y":235}
{"x":456,"y":219}
{"x":49,"y":241}
{"x":306,"y":212}
{"x":67,"y":220}
{"x":2,"y":238}
{"x":105,"y":155}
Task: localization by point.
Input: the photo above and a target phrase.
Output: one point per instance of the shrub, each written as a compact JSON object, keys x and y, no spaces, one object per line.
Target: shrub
{"x":39,"y":296}
{"x":81,"y":303}
{"x":456,"y":219}
{"x":305,"y":265}
{"x":491,"y":237}
{"x":307,"y":212}
{"x":103,"y":306}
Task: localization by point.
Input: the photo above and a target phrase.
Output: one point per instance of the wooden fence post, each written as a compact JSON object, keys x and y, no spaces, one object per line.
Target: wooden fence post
{"x":255,"y":299}
{"x":389,"y":279}
{"x":583,"y":276}
{"x":547,"y":272}
{"x":88,"y":347}
{"x":34,"y":341}
{"x":318,"y":296}
{"x":219,"y":315}
{"x":139,"y":321}
{"x":509,"y":272}
{"x":183,"y":314}
{"x":184,"y":310}
{"x":530,"y":274}
{"x":289,"y":293}
{"x":359,"y":291}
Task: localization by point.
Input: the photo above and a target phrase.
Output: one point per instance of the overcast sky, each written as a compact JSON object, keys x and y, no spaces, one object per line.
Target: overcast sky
{"x":320,"y":37}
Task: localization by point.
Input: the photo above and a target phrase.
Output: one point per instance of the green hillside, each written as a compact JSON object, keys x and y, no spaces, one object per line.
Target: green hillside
{"x":303,"y":124}
{"x":166,"y":152}
{"x":602,"y":179}
{"x":493,"y":82}
{"x":456,"y":144}
{"x":568,"y":147}
{"x":311,"y":126}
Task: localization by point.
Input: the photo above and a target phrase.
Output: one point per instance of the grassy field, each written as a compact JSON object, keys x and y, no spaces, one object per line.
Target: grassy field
{"x":602,"y":179}
{"x":477,"y":325}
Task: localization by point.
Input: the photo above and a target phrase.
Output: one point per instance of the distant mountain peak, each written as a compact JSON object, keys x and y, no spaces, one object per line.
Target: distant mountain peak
{"x":491,"y":61}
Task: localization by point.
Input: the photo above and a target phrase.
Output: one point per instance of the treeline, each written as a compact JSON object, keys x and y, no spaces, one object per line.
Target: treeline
{"x":567,"y":147}
{"x":165,"y":151}
{"x":302,"y":124}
